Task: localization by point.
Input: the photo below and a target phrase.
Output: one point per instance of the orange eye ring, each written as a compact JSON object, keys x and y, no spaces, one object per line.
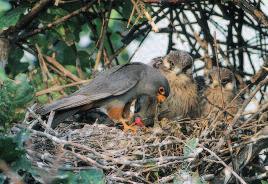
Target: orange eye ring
{"x":161,"y":90}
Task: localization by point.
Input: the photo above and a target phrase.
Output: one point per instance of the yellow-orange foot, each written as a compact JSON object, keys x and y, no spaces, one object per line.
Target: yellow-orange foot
{"x":127,"y":127}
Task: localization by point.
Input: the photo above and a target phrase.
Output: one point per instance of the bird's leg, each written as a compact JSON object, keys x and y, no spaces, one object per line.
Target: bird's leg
{"x":127,"y":127}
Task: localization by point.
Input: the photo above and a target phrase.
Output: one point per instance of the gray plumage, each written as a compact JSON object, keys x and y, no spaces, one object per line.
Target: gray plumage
{"x":117,"y":86}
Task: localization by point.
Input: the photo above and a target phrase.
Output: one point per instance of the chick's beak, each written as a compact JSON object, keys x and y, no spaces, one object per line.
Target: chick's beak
{"x":214,"y":84}
{"x":177,"y":70}
{"x":160,"y":98}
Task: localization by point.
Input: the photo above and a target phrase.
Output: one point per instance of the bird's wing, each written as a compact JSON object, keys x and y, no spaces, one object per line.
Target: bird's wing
{"x":115,"y":81}
{"x":107,"y":84}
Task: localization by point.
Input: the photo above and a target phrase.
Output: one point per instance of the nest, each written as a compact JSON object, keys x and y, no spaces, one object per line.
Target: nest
{"x":207,"y":147}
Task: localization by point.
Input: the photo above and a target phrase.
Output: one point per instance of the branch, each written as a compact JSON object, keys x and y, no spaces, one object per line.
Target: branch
{"x":246,"y":102}
{"x":168,"y":1}
{"x":224,"y":164}
{"x":59,"y":88}
{"x":57,"y":22}
{"x":102,"y":36}
{"x":258,"y":15}
{"x":38,"y":7}
{"x":66,"y":72}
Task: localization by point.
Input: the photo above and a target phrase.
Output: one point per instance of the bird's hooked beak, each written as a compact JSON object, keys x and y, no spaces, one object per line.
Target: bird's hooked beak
{"x":160,"y":98}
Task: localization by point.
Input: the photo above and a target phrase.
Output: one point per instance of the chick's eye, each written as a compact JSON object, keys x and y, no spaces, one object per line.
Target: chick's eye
{"x":161,"y":90}
{"x":224,"y":81}
{"x":172,"y":64}
{"x":210,"y":79}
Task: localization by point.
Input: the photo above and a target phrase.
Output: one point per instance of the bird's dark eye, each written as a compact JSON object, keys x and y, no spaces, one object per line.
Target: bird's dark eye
{"x":172,"y":64}
{"x":161,"y":91}
{"x":210,"y":80}
{"x":224,"y":82}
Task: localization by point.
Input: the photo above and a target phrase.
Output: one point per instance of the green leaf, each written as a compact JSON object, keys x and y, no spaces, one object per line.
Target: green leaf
{"x":14,"y":96}
{"x":264,"y":182}
{"x":66,"y":55}
{"x":11,"y":17}
{"x":3,"y":75}
{"x":85,"y":60}
{"x":21,"y":164}
{"x":14,"y":65}
{"x":190,"y":146}
{"x":24,"y":91}
{"x":9,"y":150}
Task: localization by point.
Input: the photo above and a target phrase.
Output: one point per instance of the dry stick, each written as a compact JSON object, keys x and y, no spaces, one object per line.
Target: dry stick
{"x":224,"y":164}
{"x":131,"y":15}
{"x":223,"y":102}
{"x":123,"y":180}
{"x":102,"y":36}
{"x":261,"y":74}
{"x":257,"y":14}
{"x":168,"y":1}
{"x":264,"y":107}
{"x":133,"y":35}
{"x":246,"y":102}
{"x":257,"y":177}
{"x":50,"y":118}
{"x":88,"y":160}
{"x":57,"y":81}
{"x":66,"y":72}
{"x":43,"y":66}
{"x":79,"y":69}
{"x":149,"y":18}
{"x":218,"y":66}
{"x":59,"y":88}
{"x":40,"y":121}
{"x":134,"y":163}
{"x":58,"y":21}
{"x":252,"y":140}
{"x":83,"y":147}
{"x":244,"y":105}
{"x":136,"y":7}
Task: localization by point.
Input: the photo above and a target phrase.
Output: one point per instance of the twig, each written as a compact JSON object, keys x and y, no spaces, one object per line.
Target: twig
{"x":58,"y":88}
{"x":66,"y":72}
{"x":37,"y":8}
{"x":102,"y":36}
{"x":50,"y":118}
{"x":41,"y":121}
{"x":257,"y":14}
{"x":246,"y":102}
{"x":89,"y":160}
{"x":224,"y":164}
{"x":57,"y":22}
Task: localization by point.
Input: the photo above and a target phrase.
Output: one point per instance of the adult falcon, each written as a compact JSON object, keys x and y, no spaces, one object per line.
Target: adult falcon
{"x":114,"y":90}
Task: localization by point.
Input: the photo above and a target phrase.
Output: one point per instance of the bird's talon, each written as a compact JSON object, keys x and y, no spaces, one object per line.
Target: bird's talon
{"x":132,"y":129}
{"x":129,"y":127}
